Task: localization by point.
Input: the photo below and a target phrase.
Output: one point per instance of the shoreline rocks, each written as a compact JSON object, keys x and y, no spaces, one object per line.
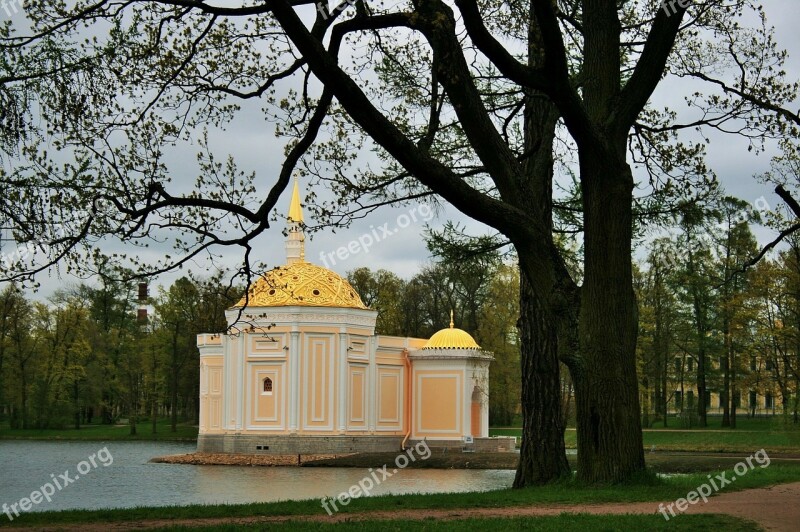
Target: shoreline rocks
{"x":450,"y":460}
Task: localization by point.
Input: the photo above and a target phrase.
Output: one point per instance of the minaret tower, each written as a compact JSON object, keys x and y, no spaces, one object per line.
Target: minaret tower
{"x":295,"y":242}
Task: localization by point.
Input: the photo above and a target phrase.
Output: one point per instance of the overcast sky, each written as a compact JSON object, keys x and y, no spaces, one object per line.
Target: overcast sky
{"x":251,"y":141}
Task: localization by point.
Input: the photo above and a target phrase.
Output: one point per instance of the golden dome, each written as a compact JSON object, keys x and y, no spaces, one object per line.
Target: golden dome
{"x":451,"y":338}
{"x":302,"y":284}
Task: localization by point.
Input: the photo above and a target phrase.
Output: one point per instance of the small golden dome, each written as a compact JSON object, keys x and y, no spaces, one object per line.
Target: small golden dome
{"x":451,"y":338}
{"x":302,"y":284}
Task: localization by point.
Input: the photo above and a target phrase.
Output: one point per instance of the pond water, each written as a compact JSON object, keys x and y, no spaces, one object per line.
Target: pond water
{"x":122,"y":477}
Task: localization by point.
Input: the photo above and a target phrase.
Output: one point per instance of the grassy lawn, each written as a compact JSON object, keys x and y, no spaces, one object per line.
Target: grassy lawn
{"x":763,"y":423}
{"x":751,"y":434}
{"x":578,"y":523}
{"x":96,"y":432}
{"x":647,"y":488}
{"x":723,"y":441}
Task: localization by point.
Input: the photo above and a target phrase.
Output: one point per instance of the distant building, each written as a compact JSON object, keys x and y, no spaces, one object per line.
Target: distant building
{"x":301,"y":371}
{"x":756,"y":393}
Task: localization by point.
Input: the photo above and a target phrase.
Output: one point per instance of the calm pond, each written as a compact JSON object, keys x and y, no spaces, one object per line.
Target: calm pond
{"x":129,"y":480}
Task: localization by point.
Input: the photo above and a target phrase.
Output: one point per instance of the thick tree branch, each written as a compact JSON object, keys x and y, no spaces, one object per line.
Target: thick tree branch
{"x":795,"y":206}
{"x":429,"y":171}
{"x":649,"y":68}
{"x":790,"y":201}
{"x":438,"y":25}
{"x":297,"y":151}
{"x":201,"y":5}
{"x":490,"y":47}
{"x":560,"y":88}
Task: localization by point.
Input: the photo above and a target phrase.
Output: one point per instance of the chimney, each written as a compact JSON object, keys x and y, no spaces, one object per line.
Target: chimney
{"x":142,"y":292}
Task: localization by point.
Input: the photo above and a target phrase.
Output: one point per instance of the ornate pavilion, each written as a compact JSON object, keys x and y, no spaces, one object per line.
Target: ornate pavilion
{"x":301,"y":371}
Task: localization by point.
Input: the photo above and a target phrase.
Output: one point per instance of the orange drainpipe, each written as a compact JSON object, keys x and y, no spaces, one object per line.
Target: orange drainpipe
{"x":408,"y":400}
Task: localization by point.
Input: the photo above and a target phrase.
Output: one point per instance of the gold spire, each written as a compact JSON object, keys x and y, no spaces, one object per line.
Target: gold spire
{"x":295,"y":210}
{"x":452,"y":325}
{"x":295,"y":242}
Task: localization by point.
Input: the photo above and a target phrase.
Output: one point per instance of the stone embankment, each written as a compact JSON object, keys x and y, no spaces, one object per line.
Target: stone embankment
{"x":241,"y":459}
{"x":437,"y":460}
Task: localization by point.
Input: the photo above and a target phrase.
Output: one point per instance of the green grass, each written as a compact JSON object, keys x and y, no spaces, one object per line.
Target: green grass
{"x":96,"y":432}
{"x":751,"y":434}
{"x":743,"y":422}
{"x":647,"y":488}
{"x":764,"y":423}
{"x":723,"y":441}
{"x":563,"y":522}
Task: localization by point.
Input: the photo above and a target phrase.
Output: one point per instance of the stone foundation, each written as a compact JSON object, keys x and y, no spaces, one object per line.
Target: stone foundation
{"x":498,"y":444}
{"x":297,"y":444}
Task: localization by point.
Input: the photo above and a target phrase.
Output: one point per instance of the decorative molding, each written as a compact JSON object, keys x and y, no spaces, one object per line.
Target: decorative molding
{"x":318,"y":317}
{"x":451,"y":354}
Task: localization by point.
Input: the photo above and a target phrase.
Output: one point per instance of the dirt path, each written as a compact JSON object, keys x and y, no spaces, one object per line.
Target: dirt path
{"x":776,"y":508}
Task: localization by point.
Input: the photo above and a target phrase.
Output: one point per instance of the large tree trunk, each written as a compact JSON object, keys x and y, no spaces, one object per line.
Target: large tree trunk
{"x":542,"y":456}
{"x":606,"y":386}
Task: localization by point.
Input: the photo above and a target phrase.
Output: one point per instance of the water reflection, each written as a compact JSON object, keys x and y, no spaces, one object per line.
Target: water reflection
{"x":132,"y":481}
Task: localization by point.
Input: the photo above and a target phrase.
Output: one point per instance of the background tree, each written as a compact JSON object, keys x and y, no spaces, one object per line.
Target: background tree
{"x":22,"y":350}
{"x":736,"y":246}
{"x":61,"y":361}
{"x":498,"y":334}
{"x":8,"y":298}
{"x":700,"y":299}
{"x":658,"y":316}
{"x":178,"y":314}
